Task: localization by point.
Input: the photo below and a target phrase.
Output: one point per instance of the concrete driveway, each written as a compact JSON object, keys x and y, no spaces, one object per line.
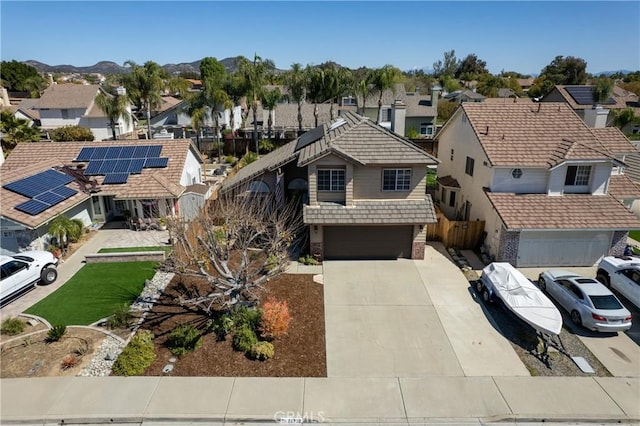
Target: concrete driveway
{"x":409,"y":318}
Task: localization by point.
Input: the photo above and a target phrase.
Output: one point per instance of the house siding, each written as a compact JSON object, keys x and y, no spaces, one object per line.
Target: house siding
{"x":330,"y":161}
{"x":192,"y":171}
{"x":368,"y":183}
{"x":533,"y":180}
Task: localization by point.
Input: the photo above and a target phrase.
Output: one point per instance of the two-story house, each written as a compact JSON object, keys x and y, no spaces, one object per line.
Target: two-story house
{"x":74,"y":105}
{"x":362,"y":186}
{"x":540,"y":178}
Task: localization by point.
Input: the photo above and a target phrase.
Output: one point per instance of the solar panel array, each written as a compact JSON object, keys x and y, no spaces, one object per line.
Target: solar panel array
{"x":583,"y":95}
{"x":44,"y":189}
{"x":116,"y":163}
{"x":309,"y":137}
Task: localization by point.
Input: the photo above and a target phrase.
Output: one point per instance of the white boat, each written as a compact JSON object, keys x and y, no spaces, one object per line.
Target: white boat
{"x":521,"y":296}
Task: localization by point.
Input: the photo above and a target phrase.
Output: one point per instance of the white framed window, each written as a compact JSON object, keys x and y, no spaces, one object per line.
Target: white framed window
{"x":330,"y":180}
{"x":396,"y":179}
{"x":385,"y":114}
{"x":516,"y":173}
{"x":577,"y":176}
{"x":426,"y":130}
{"x":468,"y":168}
{"x":349,"y":100}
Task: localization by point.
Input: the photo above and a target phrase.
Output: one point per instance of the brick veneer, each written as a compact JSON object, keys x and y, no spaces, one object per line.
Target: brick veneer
{"x":508,"y":251}
{"x":618,"y":243}
{"x":417,"y":250}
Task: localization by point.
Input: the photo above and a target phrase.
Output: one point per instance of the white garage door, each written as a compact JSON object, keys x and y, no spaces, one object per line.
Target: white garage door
{"x":562,"y":248}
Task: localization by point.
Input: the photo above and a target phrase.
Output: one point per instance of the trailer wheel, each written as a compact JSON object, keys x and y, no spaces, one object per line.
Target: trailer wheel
{"x":486,"y":296}
{"x":479,"y":286}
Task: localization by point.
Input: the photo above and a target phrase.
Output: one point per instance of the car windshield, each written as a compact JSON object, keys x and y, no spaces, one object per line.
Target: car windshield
{"x":24,"y":258}
{"x":605,"y":302}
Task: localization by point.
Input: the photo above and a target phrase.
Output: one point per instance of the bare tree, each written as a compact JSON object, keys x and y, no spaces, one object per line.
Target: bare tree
{"x":236,"y":244}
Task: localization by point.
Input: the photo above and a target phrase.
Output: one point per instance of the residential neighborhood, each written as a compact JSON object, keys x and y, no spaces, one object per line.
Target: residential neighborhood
{"x":232,"y":240}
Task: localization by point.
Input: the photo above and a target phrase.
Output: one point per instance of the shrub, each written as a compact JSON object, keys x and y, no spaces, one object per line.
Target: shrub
{"x":308,"y":260}
{"x":266,"y":146}
{"x":412,"y":133}
{"x":12,"y":326}
{"x":71,"y":133}
{"x":183,"y":340}
{"x":56,"y":332}
{"x":136,"y":356}
{"x":69,"y":361}
{"x":241,"y":316}
{"x":244,"y":339}
{"x":120,"y":318}
{"x":222,"y":325}
{"x":275,"y":319}
{"x":231,"y":160}
{"x":248,"y":158}
{"x":262,"y":351}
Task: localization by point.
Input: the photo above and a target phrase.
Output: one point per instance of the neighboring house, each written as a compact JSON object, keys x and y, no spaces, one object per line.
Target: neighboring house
{"x":284,"y":119}
{"x":548,"y":187}
{"x":74,"y":105}
{"x":580,"y":99}
{"x":362,"y":188}
{"x":525,"y":84}
{"x":43,"y":179}
{"x":25,"y":111}
{"x":464,"y":96}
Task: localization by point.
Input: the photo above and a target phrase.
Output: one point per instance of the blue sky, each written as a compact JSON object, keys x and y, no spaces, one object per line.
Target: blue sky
{"x":509,"y":35}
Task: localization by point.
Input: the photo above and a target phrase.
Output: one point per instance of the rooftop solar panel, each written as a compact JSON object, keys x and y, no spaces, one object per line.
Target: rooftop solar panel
{"x":32,"y":207}
{"x":56,"y":177}
{"x":127,"y":152}
{"x":114,"y":178}
{"x":49,"y":198}
{"x":19,"y":187}
{"x":154,"y":151}
{"x":156,"y":162}
{"x":93,"y":168}
{"x":122,"y":166}
{"x":113,"y":152}
{"x":141,"y":151}
{"x":85,"y":154}
{"x":64,"y":192}
{"x":136,"y":165}
{"x":107,"y":166}
{"x":99,"y":153}
{"x":583,"y":95}
{"x":309,"y":137}
{"x":38,"y":183}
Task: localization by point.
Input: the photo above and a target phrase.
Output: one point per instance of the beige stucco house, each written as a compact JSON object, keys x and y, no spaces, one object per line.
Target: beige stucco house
{"x":552,"y":190}
{"x":362,"y":188}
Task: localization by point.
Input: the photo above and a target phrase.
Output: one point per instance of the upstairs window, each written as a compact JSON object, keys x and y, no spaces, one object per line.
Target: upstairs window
{"x":577,"y":176}
{"x":330,"y":180}
{"x":426,"y":130}
{"x":468,"y":168}
{"x":396,"y":180}
{"x":385,"y":114}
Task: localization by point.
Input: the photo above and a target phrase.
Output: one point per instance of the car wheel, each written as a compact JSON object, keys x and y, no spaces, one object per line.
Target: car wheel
{"x":576,"y":318}
{"x":479,"y":286}
{"x":604,"y":279}
{"x":48,"y":275}
{"x":542,"y":283}
{"x":486,"y":296}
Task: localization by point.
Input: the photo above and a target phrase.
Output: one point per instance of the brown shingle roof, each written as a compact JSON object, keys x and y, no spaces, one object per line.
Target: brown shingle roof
{"x":383,"y":212}
{"x":621,"y":186}
{"x":67,"y":96}
{"x":31,"y":158}
{"x":566,"y":212}
{"x":532,"y":135}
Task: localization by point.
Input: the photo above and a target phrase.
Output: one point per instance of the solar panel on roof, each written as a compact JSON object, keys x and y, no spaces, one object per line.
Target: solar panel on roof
{"x":309,"y":137}
{"x":141,"y":151}
{"x":127,"y":152}
{"x":99,"y":153}
{"x":32,"y":207}
{"x":113,"y":178}
{"x":136,"y":165}
{"x":56,"y":177}
{"x":85,"y":154}
{"x":49,"y":197}
{"x":156,"y":162}
{"x":38,"y":183}
{"x":113,"y":152}
{"x":64,"y":191}
{"x":107,"y":166}
{"x":154,"y":151}
{"x":583,"y":95}
{"x":93,"y":168}
{"x":122,"y":166}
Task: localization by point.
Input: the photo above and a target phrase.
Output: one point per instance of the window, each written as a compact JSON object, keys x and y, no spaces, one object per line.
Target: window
{"x":452,"y":198}
{"x":577,"y":176}
{"x":349,"y":100}
{"x":468,"y":168}
{"x":385,"y":114}
{"x":516,"y":173}
{"x":13,"y":267}
{"x":330,"y":180}
{"x":396,"y":180}
{"x":426,"y":130}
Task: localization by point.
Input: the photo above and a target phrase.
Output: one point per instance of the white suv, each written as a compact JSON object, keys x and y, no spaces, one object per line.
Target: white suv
{"x":22,"y":270}
{"x":622,"y":274}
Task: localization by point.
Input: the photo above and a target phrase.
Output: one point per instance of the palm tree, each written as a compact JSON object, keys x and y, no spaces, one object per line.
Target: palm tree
{"x":198,"y":114}
{"x":62,"y":228}
{"x":145,"y":85}
{"x":16,"y":130}
{"x":296,"y":83}
{"x":384,"y":78}
{"x":315,"y":88}
{"x":602,"y":90}
{"x":235,"y":88}
{"x":270,"y":99}
{"x":115,"y":106}
{"x":336,"y":81}
{"x":255,"y":75}
{"x":362,"y":89}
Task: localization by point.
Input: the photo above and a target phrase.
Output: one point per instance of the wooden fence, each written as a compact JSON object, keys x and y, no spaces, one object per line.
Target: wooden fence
{"x":455,"y":233}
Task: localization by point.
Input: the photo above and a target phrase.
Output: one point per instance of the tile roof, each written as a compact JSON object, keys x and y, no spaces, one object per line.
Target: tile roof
{"x":566,"y":212}
{"x":286,"y":116}
{"x":633,"y":167}
{"x":30,"y":158}
{"x":614,"y":140}
{"x":358,"y":139}
{"x":621,"y":186}
{"x":67,"y":96}
{"x":383,"y":212}
{"x":509,"y":132}
{"x":26,"y":107}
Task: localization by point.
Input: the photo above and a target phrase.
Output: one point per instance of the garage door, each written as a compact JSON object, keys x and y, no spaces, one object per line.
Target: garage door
{"x":367,"y":242}
{"x":566,"y":248}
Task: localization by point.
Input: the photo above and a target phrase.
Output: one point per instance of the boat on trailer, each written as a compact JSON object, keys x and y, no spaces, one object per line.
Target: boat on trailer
{"x":521,"y":296}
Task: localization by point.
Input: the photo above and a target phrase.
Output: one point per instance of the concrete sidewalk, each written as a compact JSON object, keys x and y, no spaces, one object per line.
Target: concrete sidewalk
{"x":457,"y":400}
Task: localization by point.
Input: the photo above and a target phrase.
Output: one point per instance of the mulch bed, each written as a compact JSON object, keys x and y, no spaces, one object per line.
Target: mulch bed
{"x":300,"y":353}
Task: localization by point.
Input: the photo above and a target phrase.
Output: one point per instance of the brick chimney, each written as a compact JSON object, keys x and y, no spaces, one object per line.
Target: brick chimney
{"x":398,"y":116}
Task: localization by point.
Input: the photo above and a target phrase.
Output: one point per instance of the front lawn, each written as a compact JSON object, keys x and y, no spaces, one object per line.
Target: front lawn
{"x":635,"y":235}
{"x":166,"y":249}
{"x":94,"y":292}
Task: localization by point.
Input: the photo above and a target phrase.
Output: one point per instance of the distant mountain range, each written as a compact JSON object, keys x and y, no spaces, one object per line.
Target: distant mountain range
{"x":108,"y":67}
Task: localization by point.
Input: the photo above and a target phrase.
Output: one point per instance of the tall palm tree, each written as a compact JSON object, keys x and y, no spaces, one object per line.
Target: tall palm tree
{"x":335,"y":83}
{"x":296,"y":83}
{"x":145,"y":85}
{"x":315,"y":88}
{"x":16,"y":130}
{"x":384,"y":78}
{"x":115,"y":107}
{"x":270,"y":99}
{"x":197,"y":111}
{"x":255,"y":76}
{"x":362,"y":89}
{"x":235,"y":88}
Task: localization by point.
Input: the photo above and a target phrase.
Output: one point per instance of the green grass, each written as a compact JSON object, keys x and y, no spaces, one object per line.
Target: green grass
{"x":166,"y":249}
{"x":635,"y":235}
{"x":94,"y":292}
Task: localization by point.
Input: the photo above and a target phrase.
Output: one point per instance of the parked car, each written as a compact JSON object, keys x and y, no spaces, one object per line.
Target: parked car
{"x":623,"y":275}
{"x":590,"y":303}
{"x":26,"y":269}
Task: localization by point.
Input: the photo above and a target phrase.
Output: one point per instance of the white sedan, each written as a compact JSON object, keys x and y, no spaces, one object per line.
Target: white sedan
{"x":589,"y":303}
{"x":26,"y":269}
